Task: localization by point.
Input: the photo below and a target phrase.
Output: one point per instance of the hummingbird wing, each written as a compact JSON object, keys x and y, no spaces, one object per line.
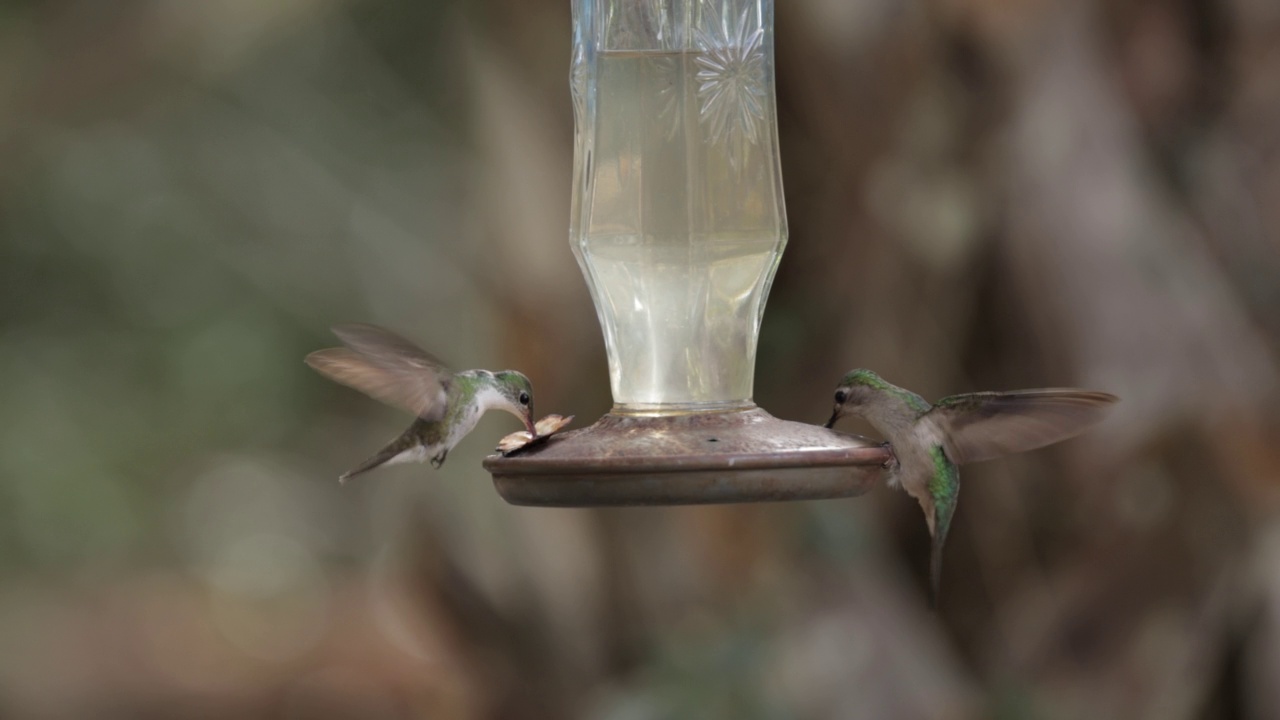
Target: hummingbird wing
{"x":981,"y":426}
{"x":385,"y":366}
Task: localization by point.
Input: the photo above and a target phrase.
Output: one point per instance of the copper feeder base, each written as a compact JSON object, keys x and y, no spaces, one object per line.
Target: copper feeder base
{"x":728,"y":457}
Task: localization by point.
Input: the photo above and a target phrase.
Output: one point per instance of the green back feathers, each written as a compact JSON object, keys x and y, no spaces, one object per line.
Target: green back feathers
{"x":862,"y":376}
{"x":507,"y":382}
{"x":466,"y":382}
{"x":866,"y":378}
{"x":944,"y":488}
{"x":514,"y":380}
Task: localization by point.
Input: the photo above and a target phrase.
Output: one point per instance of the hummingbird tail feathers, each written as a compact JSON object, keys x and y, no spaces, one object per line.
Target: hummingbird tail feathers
{"x":403,"y":449}
{"x":383,"y":457}
{"x":935,"y":572}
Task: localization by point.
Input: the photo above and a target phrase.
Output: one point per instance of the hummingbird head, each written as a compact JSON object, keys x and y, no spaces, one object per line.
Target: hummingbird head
{"x":855,"y":389}
{"x":517,"y":396}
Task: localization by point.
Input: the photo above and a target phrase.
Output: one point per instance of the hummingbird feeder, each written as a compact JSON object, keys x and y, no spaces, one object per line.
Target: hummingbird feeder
{"x":678,"y":225}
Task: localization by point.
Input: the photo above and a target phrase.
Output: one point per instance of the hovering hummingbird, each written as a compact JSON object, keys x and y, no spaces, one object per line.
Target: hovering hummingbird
{"x":385,"y":366}
{"x":930,"y":441}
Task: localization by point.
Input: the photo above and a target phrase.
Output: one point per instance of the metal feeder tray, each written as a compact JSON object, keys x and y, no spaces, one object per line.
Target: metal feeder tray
{"x":718,"y":457}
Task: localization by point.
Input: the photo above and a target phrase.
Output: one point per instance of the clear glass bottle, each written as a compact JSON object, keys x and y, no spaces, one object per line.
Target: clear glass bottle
{"x":677,"y":218}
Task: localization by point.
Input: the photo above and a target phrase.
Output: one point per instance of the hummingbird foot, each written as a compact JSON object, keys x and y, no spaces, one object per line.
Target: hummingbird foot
{"x":438,"y":460}
{"x":892,"y":462}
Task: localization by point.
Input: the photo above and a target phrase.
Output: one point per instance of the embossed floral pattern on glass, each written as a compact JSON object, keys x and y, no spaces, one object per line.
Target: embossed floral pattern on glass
{"x":678,"y":221}
{"x":731,"y":81}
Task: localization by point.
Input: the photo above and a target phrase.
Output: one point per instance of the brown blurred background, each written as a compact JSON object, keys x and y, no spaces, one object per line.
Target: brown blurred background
{"x":982,"y":194}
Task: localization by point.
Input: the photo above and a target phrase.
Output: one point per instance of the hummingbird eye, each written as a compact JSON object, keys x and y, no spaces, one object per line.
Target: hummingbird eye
{"x":841,"y":396}
{"x":524,"y":398}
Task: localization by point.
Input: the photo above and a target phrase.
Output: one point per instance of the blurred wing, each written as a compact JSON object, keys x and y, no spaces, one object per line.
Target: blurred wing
{"x":385,"y":366}
{"x":981,"y":426}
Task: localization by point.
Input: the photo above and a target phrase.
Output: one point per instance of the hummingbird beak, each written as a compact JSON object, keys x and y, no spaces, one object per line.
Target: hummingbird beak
{"x":835,"y":415}
{"x":528,"y":423}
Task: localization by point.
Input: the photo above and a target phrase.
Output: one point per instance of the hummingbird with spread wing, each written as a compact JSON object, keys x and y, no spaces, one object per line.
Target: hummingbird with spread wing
{"x":930,"y":442}
{"x":385,"y":366}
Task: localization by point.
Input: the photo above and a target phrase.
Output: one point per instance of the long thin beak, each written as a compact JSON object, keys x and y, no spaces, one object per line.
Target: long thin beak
{"x":835,"y":415}
{"x":528,"y":423}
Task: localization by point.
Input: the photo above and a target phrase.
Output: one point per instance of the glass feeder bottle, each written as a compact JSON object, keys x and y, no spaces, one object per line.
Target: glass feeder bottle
{"x":678,"y":225}
{"x":677,"y":217}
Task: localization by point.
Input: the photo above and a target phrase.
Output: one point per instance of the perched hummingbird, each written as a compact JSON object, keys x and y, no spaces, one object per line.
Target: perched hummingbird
{"x":930,"y":441}
{"x":385,"y":366}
